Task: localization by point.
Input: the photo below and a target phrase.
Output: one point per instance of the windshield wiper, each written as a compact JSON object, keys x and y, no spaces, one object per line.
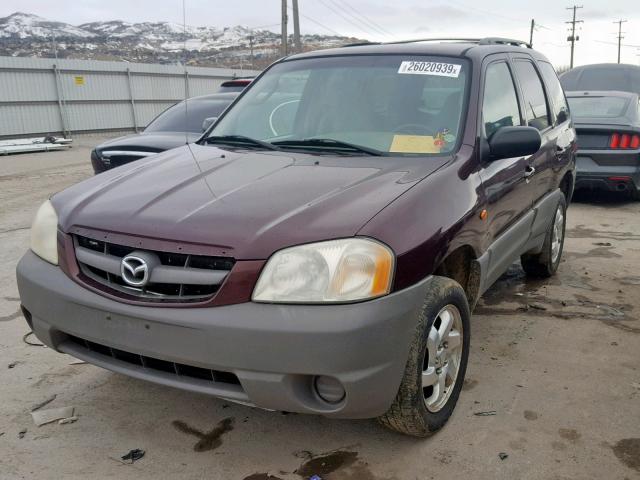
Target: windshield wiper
{"x":328,"y":144}
{"x":240,"y":140}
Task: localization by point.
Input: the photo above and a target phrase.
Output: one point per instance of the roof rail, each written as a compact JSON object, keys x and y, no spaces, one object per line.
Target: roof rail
{"x":479,"y":41}
{"x":503,"y":41}
{"x":359,"y":44}
{"x":443,"y":39}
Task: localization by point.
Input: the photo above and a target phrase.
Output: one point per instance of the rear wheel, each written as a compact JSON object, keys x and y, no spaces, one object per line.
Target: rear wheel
{"x":436,"y":365}
{"x":545,"y":263}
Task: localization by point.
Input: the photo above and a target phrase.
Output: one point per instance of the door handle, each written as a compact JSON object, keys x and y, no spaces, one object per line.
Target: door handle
{"x":529,"y":171}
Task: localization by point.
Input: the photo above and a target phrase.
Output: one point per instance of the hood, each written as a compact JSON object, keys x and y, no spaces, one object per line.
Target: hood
{"x":242,"y":204}
{"x":155,"y":142}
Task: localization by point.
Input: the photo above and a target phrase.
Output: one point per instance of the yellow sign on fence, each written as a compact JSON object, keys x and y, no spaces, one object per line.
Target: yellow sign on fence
{"x":79,"y":80}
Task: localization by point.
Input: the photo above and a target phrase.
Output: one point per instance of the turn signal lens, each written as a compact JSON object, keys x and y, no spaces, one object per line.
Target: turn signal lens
{"x":635,"y":141}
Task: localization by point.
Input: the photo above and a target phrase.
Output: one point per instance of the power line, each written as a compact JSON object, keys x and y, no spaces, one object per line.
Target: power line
{"x":344,"y":17}
{"x":320,"y":24}
{"x":572,"y":38}
{"x":616,"y":43}
{"x":362,"y":18}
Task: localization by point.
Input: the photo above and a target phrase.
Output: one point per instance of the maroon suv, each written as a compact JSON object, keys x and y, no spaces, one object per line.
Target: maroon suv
{"x":320,"y":248}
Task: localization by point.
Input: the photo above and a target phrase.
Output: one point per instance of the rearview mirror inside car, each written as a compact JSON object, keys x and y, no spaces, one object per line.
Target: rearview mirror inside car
{"x":508,"y":142}
{"x":207,"y":122}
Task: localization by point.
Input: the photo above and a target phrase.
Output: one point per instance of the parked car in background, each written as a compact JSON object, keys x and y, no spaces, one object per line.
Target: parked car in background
{"x":235,"y":85}
{"x":175,"y":126}
{"x":321,"y":248}
{"x":602,"y":76}
{"x":608,"y":127}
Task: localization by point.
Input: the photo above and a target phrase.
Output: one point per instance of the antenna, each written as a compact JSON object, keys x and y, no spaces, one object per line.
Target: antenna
{"x":186,"y":74}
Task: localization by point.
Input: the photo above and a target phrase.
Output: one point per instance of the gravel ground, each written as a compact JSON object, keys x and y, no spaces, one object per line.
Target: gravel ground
{"x":558,"y":361}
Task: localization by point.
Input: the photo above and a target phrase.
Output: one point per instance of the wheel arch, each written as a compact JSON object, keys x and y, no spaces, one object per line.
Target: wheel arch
{"x":567,"y":186}
{"x":461,"y":265}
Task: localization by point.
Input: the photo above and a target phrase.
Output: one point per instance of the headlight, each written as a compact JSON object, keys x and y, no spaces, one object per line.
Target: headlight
{"x":333,"y":271}
{"x":44,"y":233}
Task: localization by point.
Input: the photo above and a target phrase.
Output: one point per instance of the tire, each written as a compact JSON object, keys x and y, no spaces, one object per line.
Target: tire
{"x":409,"y":413}
{"x":545,"y":264}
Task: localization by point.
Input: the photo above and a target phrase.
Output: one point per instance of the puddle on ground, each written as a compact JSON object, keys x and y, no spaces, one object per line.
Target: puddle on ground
{"x":570,"y":434}
{"x":210,"y":440}
{"x":327,"y":463}
{"x":13,"y":316}
{"x":261,"y":476}
{"x":628,"y":452}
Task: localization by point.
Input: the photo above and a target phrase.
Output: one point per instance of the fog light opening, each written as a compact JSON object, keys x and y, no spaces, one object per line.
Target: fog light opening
{"x":329,"y":389}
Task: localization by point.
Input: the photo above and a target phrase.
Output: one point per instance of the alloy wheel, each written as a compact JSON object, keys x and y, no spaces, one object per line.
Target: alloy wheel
{"x":442,"y":358}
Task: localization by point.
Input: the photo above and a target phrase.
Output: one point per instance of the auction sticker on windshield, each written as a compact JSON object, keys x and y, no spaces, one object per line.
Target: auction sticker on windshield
{"x":430,"y":68}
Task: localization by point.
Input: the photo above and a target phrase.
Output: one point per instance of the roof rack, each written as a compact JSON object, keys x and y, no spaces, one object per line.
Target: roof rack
{"x":479,"y":41}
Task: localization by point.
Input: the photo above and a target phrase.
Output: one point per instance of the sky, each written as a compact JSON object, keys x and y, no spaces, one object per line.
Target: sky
{"x":384,"y":20}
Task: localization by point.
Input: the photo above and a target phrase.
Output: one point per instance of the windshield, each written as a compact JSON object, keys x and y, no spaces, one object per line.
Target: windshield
{"x":389,"y":103}
{"x":598,"y":106}
{"x":173,"y":118}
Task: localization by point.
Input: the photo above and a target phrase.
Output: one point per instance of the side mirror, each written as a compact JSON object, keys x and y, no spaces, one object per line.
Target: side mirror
{"x":508,"y":142}
{"x":207,"y":122}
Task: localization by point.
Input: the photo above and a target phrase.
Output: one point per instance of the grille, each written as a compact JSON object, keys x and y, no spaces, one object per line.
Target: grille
{"x":175,"y":277}
{"x":150,"y":363}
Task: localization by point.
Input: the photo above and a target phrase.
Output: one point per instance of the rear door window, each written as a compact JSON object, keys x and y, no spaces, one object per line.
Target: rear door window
{"x":536,"y":111}
{"x":500,"y":102}
{"x":555,"y":92}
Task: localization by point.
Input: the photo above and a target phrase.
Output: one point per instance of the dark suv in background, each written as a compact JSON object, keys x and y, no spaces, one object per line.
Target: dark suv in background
{"x":320,"y":248}
{"x":181,"y":123}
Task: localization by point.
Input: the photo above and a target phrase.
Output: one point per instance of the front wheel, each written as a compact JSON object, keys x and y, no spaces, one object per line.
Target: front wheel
{"x":436,"y":365}
{"x":545,"y":263}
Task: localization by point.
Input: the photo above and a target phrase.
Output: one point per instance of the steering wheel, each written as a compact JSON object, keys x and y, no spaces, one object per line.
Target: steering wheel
{"x":273,"y":112}
{"x":414,"y":129}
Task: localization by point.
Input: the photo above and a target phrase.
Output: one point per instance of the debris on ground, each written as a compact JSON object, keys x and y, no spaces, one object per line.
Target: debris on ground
{"x":78,"y":362}
{"x":38,"y":406}
{"x":12,"y":365}
{"x":33,"y":344}
{"x":64,"y":421}
{"x":1,"y":433}
{"x":503,"y":456}
{"x":36,"y":144}
{"x":489,"y":413}
{"x":537,"y":306}
{"x":133,"y":455}
{"x":315,"y":477}
{"x":603,"y":244}
{"x":42,"y":417}
{"x":22,"y":433}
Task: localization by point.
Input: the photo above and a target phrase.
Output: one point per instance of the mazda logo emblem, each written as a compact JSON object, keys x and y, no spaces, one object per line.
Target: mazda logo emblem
{"x":134,"y":271}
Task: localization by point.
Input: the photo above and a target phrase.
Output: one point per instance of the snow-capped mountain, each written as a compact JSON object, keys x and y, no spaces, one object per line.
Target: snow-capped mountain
{"x":23,"y":34}
{"x":25,"y":25}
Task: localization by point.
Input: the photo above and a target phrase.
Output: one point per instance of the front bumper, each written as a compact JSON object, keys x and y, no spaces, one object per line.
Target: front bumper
{"x":275,"y":351}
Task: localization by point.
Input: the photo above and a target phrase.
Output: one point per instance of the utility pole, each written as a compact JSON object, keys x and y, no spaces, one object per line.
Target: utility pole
{"x":296,"y":26}
{"x":533,"y":25}
{"x":620,"y":37}
{"x":283,"y":41}
{"x":251,"y":50}
{"x":572,"y":38}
